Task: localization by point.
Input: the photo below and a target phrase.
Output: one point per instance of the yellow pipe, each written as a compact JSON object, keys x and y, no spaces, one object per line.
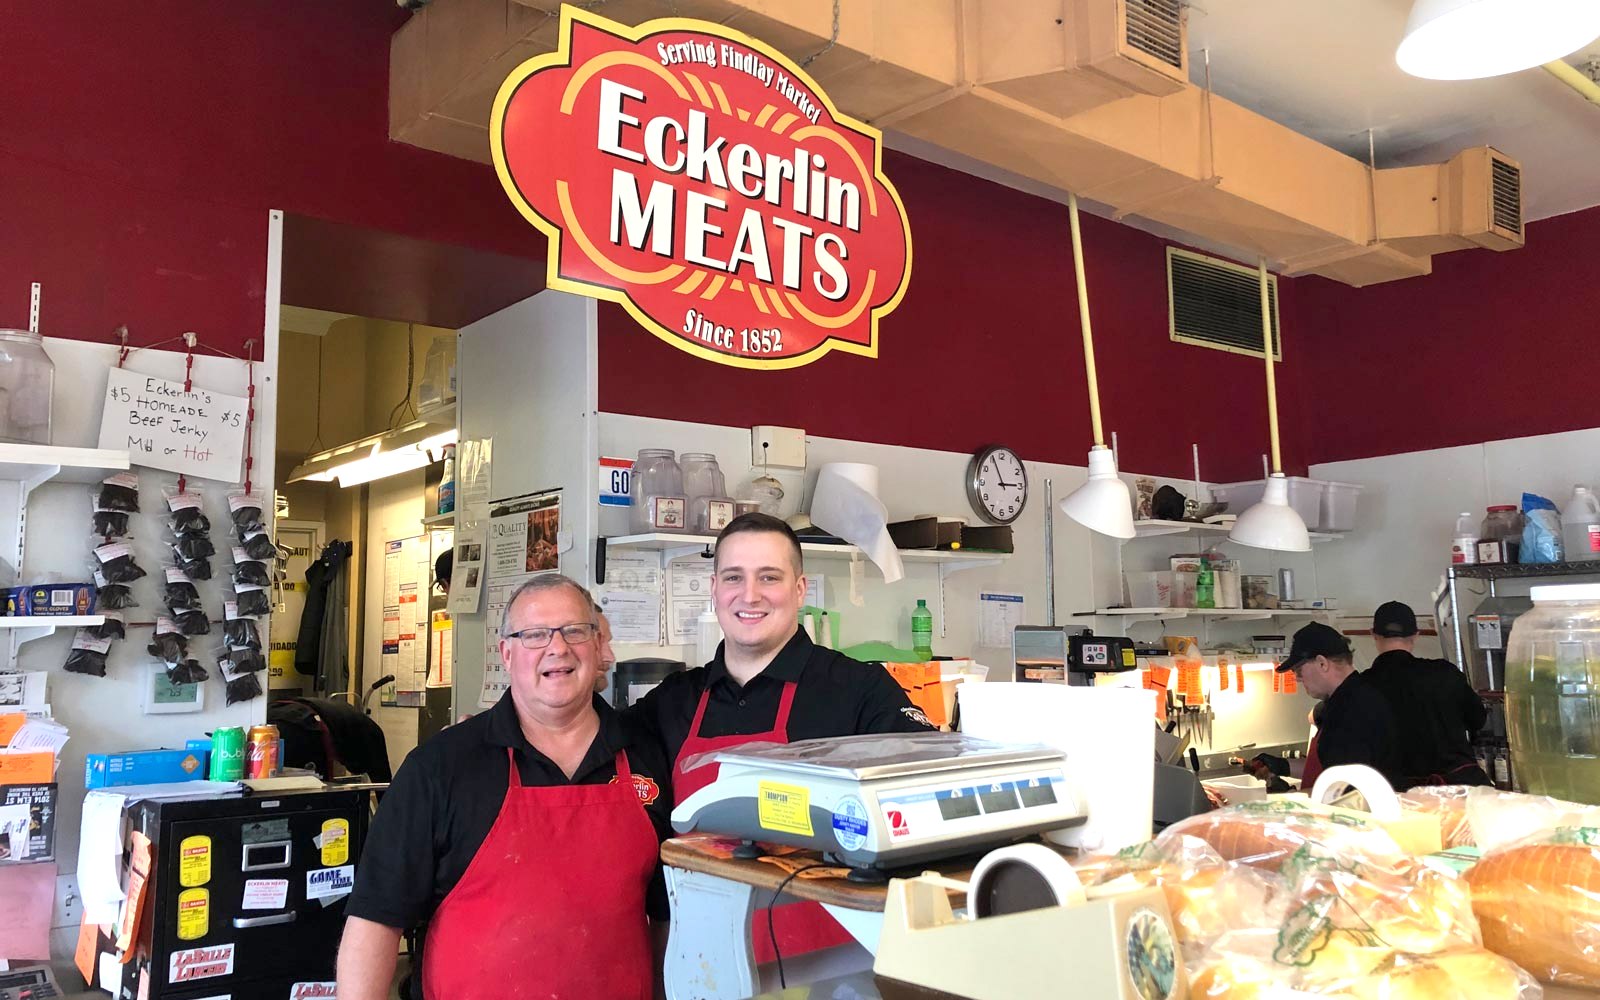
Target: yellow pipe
{"x":1575,"y":79}
{"x":1266,"y":349}
{"x":1083,"y":321}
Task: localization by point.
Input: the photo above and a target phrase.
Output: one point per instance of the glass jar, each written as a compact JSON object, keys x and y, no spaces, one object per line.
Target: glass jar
{"x":1503,"y":523}
{"x":702,"y":477}
{"x":1553,"y":693}
{"x":27,"y":379}
{"x":656,"y":475}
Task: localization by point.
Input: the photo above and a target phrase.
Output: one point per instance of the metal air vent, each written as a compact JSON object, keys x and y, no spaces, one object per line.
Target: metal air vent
{"x":1155,"y":27}
{"x":1507,"y":192}
{"x":1217,"y":304}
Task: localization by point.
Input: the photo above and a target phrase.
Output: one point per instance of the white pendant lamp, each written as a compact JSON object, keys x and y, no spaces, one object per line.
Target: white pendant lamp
{"x":1469,"y":39}
{"x":1271,"y":523}
{"x":1102,"y":504}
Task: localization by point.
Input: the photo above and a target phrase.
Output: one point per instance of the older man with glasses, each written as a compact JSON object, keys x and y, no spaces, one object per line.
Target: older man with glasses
{"x":526,"y":837}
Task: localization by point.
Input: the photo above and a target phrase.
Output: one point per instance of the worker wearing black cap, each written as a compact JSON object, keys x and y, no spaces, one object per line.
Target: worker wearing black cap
{"x":1357,"y":725}
{"x":1434,"y":697}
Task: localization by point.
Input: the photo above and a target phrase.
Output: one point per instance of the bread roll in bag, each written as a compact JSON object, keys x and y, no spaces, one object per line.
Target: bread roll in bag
{"x":1538,"y":904}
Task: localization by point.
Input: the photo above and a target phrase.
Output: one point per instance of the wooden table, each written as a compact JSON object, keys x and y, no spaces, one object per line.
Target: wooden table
{"x":709,"y":951}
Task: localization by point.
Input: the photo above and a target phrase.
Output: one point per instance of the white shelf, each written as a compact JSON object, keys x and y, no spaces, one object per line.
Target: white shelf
{"x":1155,"y":528}
{"x":37,"y":463}
{"x":444,"y":414}
{"x":60,"y":621}
{"x":1228,"y":614}
{"x":26,"y":628}
{"x":666,"y":541}
{"x":440,"y":520}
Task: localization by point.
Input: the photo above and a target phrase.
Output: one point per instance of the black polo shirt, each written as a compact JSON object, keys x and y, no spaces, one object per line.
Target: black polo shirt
{"x":835,"y":696}
{"x":448,"y":793}
{"x":1441,"y":712}
{"x":1357,"y":727}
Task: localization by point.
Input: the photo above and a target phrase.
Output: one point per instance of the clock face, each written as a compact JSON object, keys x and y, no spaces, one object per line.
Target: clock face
{"x":997,"y":485}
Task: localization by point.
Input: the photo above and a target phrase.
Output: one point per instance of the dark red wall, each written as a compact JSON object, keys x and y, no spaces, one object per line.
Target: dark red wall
{"x":1490,"y":346}
{"x":141,"y":146}
{"x":986,"y":347}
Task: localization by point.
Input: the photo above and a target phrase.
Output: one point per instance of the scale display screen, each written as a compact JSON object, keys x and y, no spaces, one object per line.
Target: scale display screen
{"x":926,"y":810}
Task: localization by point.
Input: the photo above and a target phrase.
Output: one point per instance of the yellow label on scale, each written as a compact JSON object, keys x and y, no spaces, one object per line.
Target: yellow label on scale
{"x":194,"y":914}
{"x":786,"y":808}
{"x":194,"y":861}
{"x":335,"y":842}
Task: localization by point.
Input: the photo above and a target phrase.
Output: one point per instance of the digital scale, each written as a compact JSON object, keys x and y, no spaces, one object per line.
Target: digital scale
{"x":885,"y":801}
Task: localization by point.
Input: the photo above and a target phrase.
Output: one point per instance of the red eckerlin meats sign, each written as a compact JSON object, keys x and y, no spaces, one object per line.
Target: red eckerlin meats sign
{"x":701,"y":179}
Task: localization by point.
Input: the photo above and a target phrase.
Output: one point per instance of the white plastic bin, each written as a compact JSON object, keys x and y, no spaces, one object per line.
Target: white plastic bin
{"x":1149,"y":590}
{"x":1238,"y":788}
{"x":1339,"y":506}
{"x":1305,"y":496}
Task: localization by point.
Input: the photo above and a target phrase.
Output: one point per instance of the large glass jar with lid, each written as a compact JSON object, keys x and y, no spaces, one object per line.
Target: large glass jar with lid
{"x":703,"y":484}
{"x":656,"y":475}
{"x":27,"y":379}
{"x":1553,"y":693}
{"x":1503,"y":523}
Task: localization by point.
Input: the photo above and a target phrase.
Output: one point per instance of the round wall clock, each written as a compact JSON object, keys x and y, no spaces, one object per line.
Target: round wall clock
{"x":997,"y":484}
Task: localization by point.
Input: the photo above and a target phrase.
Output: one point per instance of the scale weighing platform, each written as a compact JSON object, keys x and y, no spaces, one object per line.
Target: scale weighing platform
{"x":884,"y":801}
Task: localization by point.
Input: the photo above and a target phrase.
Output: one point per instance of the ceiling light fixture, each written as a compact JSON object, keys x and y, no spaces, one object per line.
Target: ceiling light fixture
{"x":404,"y":449}
{"x":1271,"y":523}
{"x":1103,"y":503}
{"x":1471,"y":39}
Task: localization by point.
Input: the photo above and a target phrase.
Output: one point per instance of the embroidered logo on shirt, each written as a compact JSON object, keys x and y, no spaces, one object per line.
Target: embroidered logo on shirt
{"x":646,"y":788}
{"x":915,"y":715}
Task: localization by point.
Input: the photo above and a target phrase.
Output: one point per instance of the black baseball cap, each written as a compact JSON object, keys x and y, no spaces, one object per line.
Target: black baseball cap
{"x":1394,"y":620}
{"x":1313,"y":641}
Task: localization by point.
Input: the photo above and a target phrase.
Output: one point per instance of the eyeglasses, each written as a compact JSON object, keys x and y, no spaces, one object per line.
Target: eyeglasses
{"x":538,"y":638}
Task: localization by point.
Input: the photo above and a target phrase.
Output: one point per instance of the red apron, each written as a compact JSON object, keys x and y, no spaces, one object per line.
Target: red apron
{"x":1313,"y":768}
{"x":686,"y":783}
{"x":552,"y":905}
{"x":800,"y":927}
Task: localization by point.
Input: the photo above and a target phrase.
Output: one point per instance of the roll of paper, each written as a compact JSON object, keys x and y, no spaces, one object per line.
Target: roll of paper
{"x":845,"y":503}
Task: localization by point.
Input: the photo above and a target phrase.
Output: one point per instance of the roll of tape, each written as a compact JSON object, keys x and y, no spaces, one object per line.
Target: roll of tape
{"x":1022,"y":877}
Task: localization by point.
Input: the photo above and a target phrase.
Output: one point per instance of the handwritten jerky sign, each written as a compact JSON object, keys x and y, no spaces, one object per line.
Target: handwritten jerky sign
{"x":701,"y":179}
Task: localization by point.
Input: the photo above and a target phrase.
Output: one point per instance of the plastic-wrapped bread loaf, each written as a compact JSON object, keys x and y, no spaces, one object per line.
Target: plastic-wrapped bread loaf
{"x":1538,"y":904}
{"x":1265,"y":835}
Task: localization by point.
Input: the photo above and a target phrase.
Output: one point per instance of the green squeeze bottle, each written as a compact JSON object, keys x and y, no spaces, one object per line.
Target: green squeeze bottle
{"x":922,"y":631}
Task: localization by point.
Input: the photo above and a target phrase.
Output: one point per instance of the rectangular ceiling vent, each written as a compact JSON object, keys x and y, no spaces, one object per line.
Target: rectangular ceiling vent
{"x":1155,"y":27}
{"x":1507,"y":191}
{"x":1217,"y":304}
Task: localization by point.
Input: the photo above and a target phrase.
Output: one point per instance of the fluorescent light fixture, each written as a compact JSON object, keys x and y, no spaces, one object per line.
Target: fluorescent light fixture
{"x":1470,"y":39}
{"x":1102,"y":504}
{"x":1272,"y":523}
{"x":404,"y":449}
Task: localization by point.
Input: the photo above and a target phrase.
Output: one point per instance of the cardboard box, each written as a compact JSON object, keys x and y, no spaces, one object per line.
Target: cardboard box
{"x":41,"y":803}
{"x":142,"y":767}
{"x":987,"y":537}
{"x":43,"y":600}
{"x":925,"y":533}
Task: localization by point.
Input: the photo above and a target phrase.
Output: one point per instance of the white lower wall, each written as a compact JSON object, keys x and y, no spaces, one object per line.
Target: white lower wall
{"x":919,"y":481}
{"x":105,"y":714}
{"x":1406,"y":517}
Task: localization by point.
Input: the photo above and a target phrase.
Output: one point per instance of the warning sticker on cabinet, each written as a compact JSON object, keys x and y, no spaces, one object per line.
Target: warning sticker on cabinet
{"x":785,"y":808}
{"x":335,"y":842}
{"x":194,"y":861}
{"x":194,"y":914}
{"x":330,"y":883}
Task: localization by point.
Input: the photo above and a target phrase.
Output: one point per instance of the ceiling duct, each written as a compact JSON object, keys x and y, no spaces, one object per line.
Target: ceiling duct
{"x":1090,"y":96}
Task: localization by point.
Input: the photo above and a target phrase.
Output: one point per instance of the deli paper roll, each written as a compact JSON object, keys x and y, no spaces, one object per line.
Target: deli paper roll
{"x":845,"y":503}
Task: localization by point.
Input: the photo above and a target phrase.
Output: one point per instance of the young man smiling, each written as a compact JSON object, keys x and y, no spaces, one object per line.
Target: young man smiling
{"x":768,"y":681}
